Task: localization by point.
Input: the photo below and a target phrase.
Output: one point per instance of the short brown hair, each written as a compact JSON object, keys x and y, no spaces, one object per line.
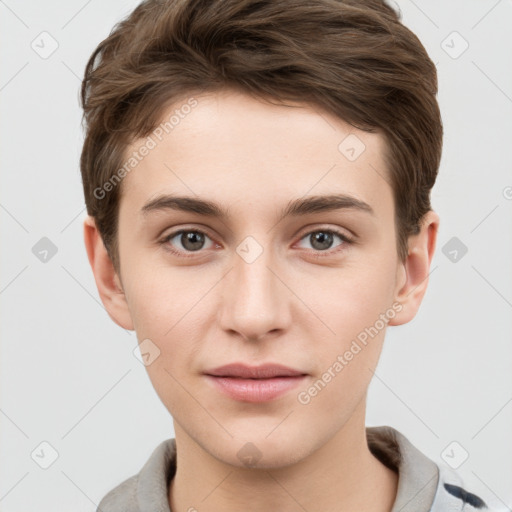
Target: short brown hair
{"x":354,"y":59}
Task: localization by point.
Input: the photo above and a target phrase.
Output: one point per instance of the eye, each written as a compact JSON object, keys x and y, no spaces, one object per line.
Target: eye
{"x":190,"y":241}
{"x":185,"y":242}
{"x":322,"y":240}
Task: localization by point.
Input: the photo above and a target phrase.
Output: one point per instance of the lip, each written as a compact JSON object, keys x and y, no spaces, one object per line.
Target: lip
{"x":264,"y":371}
{"x":254,"y":383}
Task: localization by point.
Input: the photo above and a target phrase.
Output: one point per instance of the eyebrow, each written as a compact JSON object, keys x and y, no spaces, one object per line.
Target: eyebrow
{"x":295,"y":208}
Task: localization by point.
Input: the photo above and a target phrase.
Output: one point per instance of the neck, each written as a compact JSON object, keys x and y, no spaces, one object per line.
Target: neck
{"x":341,"y":475}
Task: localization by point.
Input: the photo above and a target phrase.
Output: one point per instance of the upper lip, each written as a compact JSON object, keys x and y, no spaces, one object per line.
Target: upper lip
{"x":265,"y":371}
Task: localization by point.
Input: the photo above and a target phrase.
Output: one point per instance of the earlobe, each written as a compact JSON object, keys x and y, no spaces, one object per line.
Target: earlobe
{"x":108,"y":282}
{"x":412,"y":275}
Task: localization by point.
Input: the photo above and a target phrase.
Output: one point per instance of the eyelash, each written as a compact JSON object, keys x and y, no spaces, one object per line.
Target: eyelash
{"x":316,"y":253}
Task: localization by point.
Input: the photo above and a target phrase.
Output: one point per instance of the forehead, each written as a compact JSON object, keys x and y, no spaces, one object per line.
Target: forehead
{"x":250,"y":155}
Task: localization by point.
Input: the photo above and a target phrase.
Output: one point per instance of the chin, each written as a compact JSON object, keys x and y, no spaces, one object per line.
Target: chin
{"x":262,"y":453}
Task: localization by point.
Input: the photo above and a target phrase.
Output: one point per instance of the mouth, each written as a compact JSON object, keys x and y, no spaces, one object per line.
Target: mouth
{"x":254,"y":383}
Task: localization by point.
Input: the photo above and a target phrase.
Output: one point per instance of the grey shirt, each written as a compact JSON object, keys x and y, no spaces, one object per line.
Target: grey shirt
{"x":423,"y":486}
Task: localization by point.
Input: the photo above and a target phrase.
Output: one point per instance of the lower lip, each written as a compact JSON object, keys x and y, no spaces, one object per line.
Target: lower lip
{"x":255,"y":390}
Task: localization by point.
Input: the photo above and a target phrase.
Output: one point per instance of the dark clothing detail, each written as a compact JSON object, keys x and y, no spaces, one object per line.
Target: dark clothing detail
{"x":465,"y":496}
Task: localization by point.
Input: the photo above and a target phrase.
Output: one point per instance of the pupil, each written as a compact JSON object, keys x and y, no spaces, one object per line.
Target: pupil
{"x":324,"y":239}
{"x":192,"y":240}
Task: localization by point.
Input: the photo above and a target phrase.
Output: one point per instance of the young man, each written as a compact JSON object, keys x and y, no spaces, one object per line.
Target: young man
{"x":257,"y":176}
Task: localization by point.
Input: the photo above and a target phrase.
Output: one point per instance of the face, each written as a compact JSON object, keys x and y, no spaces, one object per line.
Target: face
{"x":270,"y":275}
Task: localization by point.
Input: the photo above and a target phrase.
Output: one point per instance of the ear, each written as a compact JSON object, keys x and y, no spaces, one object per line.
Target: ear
{"x":412,"y":275}
{"x":107,"y":281}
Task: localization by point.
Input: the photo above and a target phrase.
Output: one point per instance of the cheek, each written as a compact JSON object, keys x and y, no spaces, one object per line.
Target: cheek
{"x":168,"y":308}
{"x":357,"y":308}
{"x":344,"y":375}
{"x":158,"y":297}
{"x":357,"y":299}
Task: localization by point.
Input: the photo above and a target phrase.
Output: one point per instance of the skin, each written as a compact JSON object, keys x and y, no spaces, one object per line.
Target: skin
{"x":213,"y":308}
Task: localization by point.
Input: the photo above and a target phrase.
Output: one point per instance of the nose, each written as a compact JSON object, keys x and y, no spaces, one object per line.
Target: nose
{"x":255,"y":301}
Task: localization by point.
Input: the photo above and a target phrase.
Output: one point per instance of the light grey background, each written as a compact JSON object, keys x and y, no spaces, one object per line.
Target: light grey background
{"x":68,"y":373}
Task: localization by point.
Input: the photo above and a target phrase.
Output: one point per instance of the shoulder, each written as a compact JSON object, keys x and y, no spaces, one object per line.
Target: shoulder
{"x":423,"y":484}
{"x":454,"y":494}
{"x":147,"y":490}
{"x":122,"y":498}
